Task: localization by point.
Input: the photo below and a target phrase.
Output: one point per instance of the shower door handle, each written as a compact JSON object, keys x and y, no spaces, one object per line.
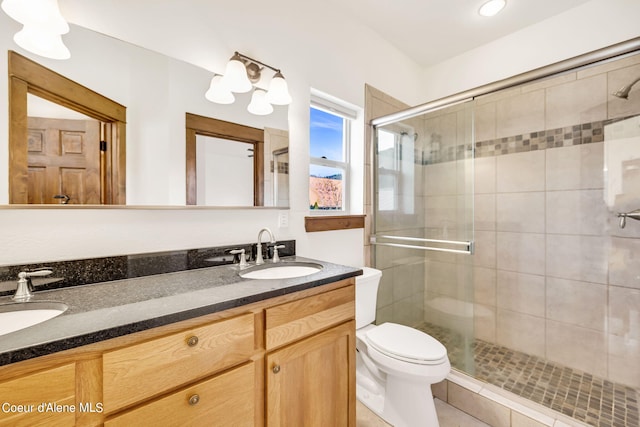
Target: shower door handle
{"x":465,"y":247}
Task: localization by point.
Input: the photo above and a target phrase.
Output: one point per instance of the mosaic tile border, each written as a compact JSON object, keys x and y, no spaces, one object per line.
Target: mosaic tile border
{"x":580,"y":395}
{"x":585,"y":133}
{"x":283,"y":167}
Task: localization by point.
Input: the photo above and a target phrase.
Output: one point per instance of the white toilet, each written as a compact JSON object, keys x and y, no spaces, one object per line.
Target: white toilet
{"x":395,"y":364}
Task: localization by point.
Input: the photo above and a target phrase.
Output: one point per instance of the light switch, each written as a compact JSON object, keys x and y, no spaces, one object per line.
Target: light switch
{"x":283,"y":219}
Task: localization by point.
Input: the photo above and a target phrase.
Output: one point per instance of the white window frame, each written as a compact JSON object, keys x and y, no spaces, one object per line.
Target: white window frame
{"x":348,"y":116}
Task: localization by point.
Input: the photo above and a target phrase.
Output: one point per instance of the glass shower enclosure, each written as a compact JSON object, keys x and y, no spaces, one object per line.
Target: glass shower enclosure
{"x":526,"y":268}
{"x":423,"y":231}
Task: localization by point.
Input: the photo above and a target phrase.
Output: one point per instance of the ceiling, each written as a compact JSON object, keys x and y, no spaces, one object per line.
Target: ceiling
{"x":431,"y":31}
{"x":427,"y":31}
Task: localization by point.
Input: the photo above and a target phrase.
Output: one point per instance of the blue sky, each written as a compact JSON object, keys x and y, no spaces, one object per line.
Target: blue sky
{"x":326,"y":135}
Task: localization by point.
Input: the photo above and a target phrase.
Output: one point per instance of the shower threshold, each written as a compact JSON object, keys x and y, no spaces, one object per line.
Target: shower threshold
{"x":576,"y":394}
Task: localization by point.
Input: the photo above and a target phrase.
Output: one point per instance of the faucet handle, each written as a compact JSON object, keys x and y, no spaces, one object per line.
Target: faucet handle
{"x":276,"y":257}
{"x":25,"y":288}
{"x":39,"y":272}
{"x":243,"y":259}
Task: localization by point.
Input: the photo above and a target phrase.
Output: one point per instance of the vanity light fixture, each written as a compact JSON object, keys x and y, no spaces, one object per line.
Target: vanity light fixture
{"x":492,"y":7}
{"x":43,"y":26}
{"x":241,"y":75}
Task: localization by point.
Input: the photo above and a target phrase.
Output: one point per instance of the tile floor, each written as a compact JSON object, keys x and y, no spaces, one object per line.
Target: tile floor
{"x":574,"y":393}
{"x":448,"y":416}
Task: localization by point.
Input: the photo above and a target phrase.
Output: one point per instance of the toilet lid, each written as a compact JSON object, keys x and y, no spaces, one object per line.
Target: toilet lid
{"x":403,"y":342}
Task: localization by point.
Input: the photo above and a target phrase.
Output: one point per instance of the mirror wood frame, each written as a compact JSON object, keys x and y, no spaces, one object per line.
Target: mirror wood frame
{"x":27,"y":76}
{"x":200,"y":125}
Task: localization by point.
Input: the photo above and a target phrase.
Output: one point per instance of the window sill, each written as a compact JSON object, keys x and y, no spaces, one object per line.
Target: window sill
{"x":328,"y":223}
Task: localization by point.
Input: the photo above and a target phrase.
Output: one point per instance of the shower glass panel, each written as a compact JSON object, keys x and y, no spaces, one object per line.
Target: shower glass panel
{"x":423,"y":226}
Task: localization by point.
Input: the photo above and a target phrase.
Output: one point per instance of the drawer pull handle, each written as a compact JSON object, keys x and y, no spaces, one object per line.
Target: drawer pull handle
{"x":192,"y":341}
{"x":193,"y":400}
{"x":276,"y":369}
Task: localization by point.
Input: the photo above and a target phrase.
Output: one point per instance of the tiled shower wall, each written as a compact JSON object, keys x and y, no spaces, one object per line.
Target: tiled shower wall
{"x":554,"y":275}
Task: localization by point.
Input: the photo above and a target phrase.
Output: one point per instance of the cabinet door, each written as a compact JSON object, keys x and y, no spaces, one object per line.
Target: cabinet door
{"x":312,"y":382}
{"x":46,"y":398}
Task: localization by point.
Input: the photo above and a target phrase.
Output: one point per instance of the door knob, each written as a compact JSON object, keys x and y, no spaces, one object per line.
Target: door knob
{"x":64,"y":197}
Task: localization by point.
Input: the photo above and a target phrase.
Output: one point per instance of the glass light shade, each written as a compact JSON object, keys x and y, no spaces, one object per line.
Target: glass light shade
{"x":259,"y":105}
{"x":42,"y":42}
{"x":218,"y":92}
{"x":42,"y":13}
{"x":235,"y":76}
{"x":492,"y":7}
{"x":278,"y":91}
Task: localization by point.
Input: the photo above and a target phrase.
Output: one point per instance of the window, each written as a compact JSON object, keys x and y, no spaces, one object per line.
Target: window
{"x":330,"y":135}
{"x":396,"y":168}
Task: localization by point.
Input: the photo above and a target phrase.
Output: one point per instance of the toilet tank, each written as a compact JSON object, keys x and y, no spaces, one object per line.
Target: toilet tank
{"x":367,"y":296}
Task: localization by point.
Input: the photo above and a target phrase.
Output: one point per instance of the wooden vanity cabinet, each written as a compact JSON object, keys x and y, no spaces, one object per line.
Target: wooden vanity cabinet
{"x":289,"y":360}
{"x":310,"y":361}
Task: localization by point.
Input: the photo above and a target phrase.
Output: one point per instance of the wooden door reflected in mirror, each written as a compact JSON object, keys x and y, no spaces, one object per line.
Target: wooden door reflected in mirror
{"x":63,"y":155}
{"x":53,"y":158}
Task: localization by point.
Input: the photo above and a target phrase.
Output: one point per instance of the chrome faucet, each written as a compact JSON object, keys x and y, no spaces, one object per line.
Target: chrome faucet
{"x":24,"y":291}
{"x":259,"y":259}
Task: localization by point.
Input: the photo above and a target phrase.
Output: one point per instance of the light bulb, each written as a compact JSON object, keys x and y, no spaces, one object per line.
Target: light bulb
{"x":42,"y":42}
{"x":42,"y":13}
{"x":235,"y":76}
{"x":218,"y":92}
{"x":259,"y":105}
{"x":492,"y":7}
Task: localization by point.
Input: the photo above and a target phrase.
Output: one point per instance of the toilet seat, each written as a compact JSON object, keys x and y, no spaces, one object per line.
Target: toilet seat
{"x":407,"y":344}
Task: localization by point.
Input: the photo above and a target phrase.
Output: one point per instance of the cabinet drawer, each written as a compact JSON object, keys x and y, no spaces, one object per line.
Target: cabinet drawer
{"x":54,"y":388}
{"x":291,"y":321}
{"x":140,"y":371}
{"x":226,"y":399}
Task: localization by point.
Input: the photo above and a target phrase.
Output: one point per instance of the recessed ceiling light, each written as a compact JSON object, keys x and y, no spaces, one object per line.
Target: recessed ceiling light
{"x":492,"y":7}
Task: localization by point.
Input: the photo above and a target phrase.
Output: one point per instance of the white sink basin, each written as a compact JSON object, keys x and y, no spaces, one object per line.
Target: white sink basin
{"x":281,"y":271}
{"x":19,"y":315}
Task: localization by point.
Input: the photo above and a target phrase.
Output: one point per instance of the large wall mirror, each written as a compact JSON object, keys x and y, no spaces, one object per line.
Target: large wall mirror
{"x":154,"y":92}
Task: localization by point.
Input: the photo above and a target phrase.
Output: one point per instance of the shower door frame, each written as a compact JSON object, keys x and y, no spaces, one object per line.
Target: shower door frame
{"x":575,"y":63}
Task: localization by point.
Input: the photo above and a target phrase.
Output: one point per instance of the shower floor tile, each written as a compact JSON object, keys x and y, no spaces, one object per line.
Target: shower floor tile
{"x":574,"y":393}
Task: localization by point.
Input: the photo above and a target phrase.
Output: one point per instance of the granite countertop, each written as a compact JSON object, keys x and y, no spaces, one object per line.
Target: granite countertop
{"x":107,"y":310}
